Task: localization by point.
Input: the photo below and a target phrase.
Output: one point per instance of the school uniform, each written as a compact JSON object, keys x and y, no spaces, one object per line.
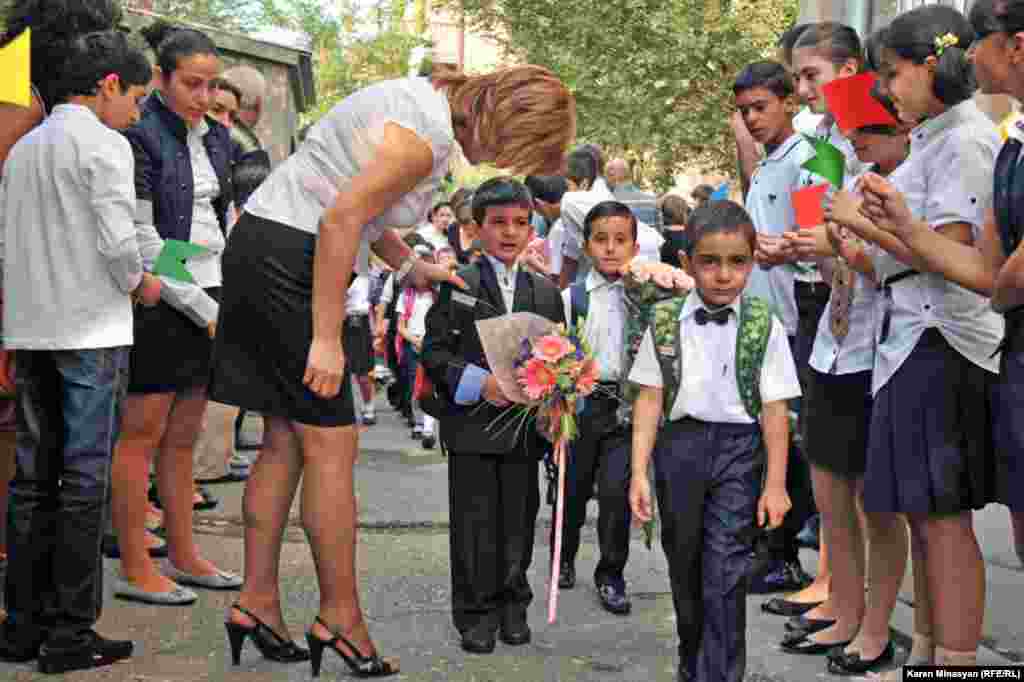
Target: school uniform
{"x":709,"y":463}
{"x":603,"y":452}
{"x":930,"y":446}
{"x":494,"y":493}
{"x":357,"y":337}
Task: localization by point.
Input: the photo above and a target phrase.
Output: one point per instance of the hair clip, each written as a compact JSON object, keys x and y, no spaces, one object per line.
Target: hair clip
{"x":942,"y":42}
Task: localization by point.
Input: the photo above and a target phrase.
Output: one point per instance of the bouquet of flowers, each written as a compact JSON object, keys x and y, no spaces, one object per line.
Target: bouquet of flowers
{"x":544,"y":370}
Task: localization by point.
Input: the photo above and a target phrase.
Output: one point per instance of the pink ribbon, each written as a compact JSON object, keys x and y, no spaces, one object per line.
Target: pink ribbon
{"x":556,"y":555}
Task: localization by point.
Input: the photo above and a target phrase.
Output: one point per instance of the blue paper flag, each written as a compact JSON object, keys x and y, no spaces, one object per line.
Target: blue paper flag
{"x":722,"y":193}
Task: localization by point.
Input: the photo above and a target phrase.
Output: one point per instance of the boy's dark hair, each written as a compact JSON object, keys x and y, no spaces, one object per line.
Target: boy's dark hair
{"x":675,"y":241}
{"x":547,"y":188}
{"x":500,"y":192}
{"x":675,"y":210}
{"x":460,"y":196}
{"x":228,"y":86}
{"x":94,"y":56}
{"x":596,"y":154}
{"x":838,"y":43}
{"x":718,"y":216}
{"x":581,"y":167}
{"x":702,"y":192}
{"x":912,"y":36}
{"x":174,"y":43}
{"x":873,"y":47}
{"x":993,"y":16}
{"x":54,"y":24}
{"x":439,"y":205}
{"x":609,"y":209}
{"x":788,"y":39}
{"x":769,"y":75}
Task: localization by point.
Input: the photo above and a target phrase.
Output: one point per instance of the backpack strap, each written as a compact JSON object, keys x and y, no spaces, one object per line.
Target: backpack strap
{"x":755,"y":328}
{"x":579,"y":304}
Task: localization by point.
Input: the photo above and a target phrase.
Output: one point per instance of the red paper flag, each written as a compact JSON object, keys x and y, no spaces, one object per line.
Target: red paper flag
{"x":852,"y":105}
{"x":807,"y":205}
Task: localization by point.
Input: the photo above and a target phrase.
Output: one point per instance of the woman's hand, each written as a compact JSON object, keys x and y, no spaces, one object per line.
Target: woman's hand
{"x":886,"y":206}
{"x":325,"y":367}
{"x":772,"y":251}
{"x":424,"y":273}
{"x":665,"y":276}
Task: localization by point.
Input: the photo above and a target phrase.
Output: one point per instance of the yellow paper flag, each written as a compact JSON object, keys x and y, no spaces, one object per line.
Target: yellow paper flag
{"x":15,"y":86}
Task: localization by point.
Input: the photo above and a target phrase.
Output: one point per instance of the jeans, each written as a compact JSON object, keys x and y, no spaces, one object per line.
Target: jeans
{"x":68,"y":418}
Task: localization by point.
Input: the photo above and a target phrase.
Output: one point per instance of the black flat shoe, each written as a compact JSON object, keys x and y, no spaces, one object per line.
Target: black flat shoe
{"x":801,"y":643}
{"x":843,"y":663}
{"x":567,"y":576}
{"x":478,"y":640}
{"x":784,"y":607}
{"x":96,"y":652}
{"x":515,"y":634}
{"x":270,"y":644}
{"x":808,"y":625}
{"x":360,"y":664}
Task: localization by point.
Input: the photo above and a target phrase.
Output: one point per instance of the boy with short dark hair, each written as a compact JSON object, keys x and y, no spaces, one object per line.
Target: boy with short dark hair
{"x":714,"y":363}
{"x":67,"y":206}
{"x":492,"y":475}
{"x":602,"y":452}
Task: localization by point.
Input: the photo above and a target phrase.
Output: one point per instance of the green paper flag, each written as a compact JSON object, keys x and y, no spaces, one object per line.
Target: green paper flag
{"x":828,"y":162}
{"x":171,"y":261}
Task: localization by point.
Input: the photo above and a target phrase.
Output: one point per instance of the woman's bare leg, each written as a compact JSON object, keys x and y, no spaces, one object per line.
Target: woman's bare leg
{"x":888,"y":548}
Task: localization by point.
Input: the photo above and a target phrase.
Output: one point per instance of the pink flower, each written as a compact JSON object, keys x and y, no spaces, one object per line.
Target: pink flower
{"x":551,"y":348}
{"x":587,"y":380}
{"x":537,"y":379}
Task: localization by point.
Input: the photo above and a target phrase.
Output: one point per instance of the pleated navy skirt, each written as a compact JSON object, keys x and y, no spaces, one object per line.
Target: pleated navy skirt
{"x":265,"y":327}
{"x":1008,"y":418}
{"x":930,"y":447}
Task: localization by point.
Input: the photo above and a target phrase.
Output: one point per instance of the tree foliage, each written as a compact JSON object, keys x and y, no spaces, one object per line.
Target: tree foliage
{"x":652,"y":78}
{"x":232,"y":15}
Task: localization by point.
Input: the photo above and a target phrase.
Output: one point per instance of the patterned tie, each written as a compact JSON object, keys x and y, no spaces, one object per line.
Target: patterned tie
{"x":842,"y":298}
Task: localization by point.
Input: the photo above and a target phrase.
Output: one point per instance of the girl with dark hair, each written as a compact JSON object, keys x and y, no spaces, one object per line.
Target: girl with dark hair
{"x":930,"y":450}
{"x":183,"y":189}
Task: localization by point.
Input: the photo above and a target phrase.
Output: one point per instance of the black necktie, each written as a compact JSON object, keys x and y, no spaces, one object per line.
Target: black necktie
{"x":720,"y":316}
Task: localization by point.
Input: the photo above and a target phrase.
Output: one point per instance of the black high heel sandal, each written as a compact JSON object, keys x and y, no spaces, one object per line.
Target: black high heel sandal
{"x":271,"y":645}
{"x":360,"y":665}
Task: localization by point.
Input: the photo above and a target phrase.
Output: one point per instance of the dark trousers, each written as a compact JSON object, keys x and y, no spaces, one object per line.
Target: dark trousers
{"x":493,"y":504}
{"x":602,"y":453}
{"x":708,"y":479}
{"x":68,"y":419}
{"x":409,"y":363}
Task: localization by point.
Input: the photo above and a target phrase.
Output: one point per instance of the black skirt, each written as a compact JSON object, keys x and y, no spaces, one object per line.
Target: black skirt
{"x":266,"y":327}
{"x":171,"y":353}
{"x":1008,"y":418}
{"x":358,"y":344}
{"x":836,"y":421}
{"x":930,"y":450}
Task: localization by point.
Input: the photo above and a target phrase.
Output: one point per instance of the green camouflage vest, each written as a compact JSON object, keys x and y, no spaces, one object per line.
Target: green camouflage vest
{"x":662,"y":317}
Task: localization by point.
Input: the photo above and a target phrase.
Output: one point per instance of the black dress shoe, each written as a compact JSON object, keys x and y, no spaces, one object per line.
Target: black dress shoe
{"x":780,"y":576}
{"x":808,"y":625}
{"x":96,"y":652}
{"x":801,"y":643}
{"x":515,"y":632}
{"x":15,"y":649}
{"x":784,"y":607}
{"x":843,"y":663}
{"x":567,"y":576}
{"x":682,"y":674}
{"x":614,"y":599}
{"x":479,"y":640}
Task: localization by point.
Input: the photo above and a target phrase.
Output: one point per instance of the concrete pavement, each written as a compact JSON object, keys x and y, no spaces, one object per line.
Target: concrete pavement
{"x":403,"y":566}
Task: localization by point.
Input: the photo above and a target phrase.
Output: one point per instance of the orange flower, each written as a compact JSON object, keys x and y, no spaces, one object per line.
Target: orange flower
{"x":551,"y":348}
{"x":537,"y":379}
{"x":587,"y":381}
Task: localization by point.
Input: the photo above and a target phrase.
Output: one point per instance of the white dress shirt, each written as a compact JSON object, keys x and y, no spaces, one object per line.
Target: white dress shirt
{"x":556,"y":239}
{"x":946,"y":179}
{"x":437,"y":240}
{"x":506,"y":277}
{"x":770,"y":205}
{"x":707,"y":368}
{"x":807,"y":122}
{"x":68,"y":245}
{"x":605,"y":325}
{"x":424,"y":300}
{"x":649,"y":240}
{"x":357,"y":301}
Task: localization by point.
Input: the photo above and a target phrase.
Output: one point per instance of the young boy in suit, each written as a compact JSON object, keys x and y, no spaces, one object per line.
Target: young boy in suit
{"x":717,"y":364}
{"x":492,"y":475}
{"x":602,"y":452}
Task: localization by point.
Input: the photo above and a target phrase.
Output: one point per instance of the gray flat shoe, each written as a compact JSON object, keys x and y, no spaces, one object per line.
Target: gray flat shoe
{"x":221,"y":580}
{"x":179,"y":596}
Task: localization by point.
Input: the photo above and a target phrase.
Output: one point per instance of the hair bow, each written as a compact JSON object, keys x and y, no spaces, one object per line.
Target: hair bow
{"x":942,"y":42}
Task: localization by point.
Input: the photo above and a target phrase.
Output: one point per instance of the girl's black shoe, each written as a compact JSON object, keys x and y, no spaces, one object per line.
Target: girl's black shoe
{"x":271,"y":645}
{"x":360,"y":665}
{"x":852,"y":664}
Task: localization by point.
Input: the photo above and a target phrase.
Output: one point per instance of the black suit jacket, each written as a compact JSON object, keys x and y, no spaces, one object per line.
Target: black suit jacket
{"x":452,"y":342}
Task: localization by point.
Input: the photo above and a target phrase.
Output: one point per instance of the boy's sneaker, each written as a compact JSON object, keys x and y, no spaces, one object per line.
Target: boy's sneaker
{"x":96,"y":652}
{"x":369,"y":418}
{"x":428,"y":442}
{"x":417,"y":432}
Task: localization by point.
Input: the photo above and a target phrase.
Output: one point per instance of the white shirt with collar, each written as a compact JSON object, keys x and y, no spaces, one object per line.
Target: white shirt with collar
{"x":707,"y":368}
{"x":946,"y":179}
{"x":770,"y":205}
{"x":649,"y":240}
{"x":857,"y":352}
{"x":357,"y":302}
{"x":604,"y":329}
{"x":807,"y":122}
{"x":506,"y":277}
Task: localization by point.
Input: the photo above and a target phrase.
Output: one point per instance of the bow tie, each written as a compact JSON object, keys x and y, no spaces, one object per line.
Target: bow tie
{"x":720,"y":316}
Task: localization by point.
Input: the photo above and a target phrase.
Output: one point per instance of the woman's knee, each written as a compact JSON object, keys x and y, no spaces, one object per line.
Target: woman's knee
{"x":340,"y":444}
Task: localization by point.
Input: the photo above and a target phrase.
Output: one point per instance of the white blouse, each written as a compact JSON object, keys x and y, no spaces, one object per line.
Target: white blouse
{"x":946,"y":179}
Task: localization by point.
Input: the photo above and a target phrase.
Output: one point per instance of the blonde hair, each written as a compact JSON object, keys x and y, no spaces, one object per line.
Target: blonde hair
{"x":523,"y":113}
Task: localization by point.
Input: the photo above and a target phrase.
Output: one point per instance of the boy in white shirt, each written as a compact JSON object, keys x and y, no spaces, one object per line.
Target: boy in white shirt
{"x":412,"y":327}
{"x":715,"y":364}
{"x":67,"y":206}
